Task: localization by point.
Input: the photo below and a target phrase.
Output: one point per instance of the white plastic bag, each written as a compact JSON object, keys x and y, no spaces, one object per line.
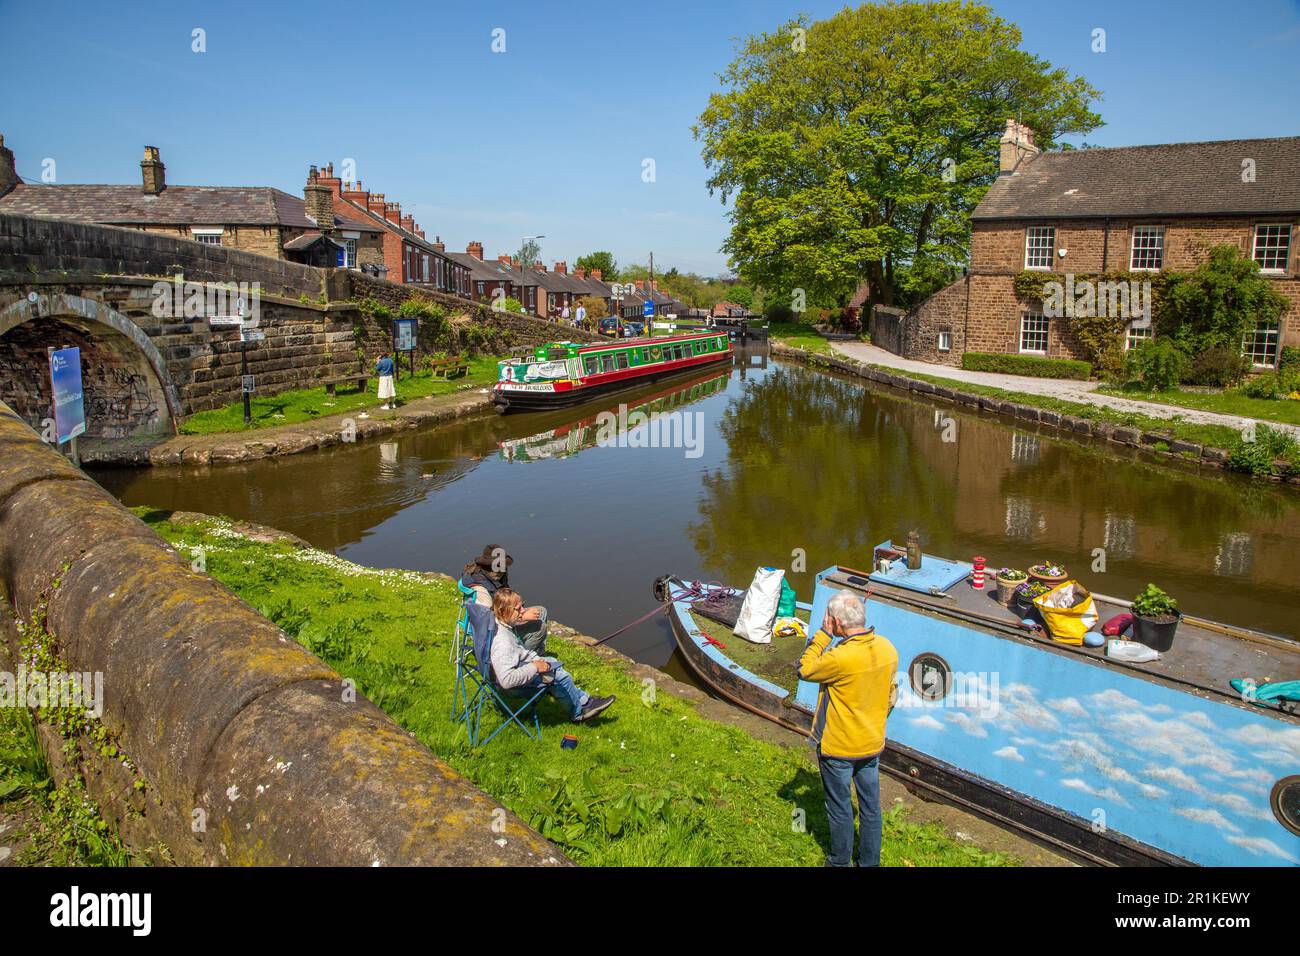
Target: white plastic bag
{"x":758,"y":613}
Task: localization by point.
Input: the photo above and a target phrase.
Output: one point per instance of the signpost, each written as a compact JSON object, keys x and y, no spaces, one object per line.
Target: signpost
{"x":246,"y":335}
{"x":69,"y":403}
{"x":648,"y":313}
{"x":406,"y":335}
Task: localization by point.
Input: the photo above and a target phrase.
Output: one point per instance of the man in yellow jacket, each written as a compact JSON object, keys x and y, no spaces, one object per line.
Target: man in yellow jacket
{"x":858,"y":691}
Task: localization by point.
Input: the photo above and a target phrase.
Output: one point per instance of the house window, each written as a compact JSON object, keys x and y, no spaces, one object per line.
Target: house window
{"x":482,"y":288}
{"x":1040,"y":245}
{"x":1135,"y":335}
{"x":207,"y":237}
{"x":1273,"y":247}
{"x":1260,"y":346}
{"x":1033,"y":333}
{"x":945,"y":341}
{"x":350,"y":253}
{"x":1148,"y":252}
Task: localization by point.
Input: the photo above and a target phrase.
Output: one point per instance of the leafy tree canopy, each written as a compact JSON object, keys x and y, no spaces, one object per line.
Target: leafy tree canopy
{"x":604,"y":261}
{"x":855,"y":147}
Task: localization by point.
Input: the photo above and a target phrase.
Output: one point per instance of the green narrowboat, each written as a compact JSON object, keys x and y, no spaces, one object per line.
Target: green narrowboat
{"x":559,"y":374}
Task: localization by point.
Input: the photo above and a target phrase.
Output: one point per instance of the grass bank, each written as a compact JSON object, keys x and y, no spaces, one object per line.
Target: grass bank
{"x":304,"y":405}
{"x":799,"y":336}
{"x":1283,"y":410}
{"x":653,"y":782}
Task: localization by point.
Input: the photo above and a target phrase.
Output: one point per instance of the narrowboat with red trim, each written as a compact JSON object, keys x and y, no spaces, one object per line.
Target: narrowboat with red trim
{"x":559,"y":374}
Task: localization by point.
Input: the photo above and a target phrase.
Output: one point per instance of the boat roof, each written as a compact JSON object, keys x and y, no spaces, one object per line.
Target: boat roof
{"x":1206,"y":654}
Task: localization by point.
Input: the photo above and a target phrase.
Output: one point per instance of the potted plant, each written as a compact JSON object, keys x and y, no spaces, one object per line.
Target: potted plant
{"x":1155,"y":618}
{"x":1048,"y":573}
{"x":1008,"y":580}
{"x":1023,"y":601}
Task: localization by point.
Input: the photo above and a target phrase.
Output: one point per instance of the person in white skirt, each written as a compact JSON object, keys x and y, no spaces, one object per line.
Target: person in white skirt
{"x":387,"y":390}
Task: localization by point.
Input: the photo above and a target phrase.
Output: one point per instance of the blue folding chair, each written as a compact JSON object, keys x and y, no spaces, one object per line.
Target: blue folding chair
{"x":461,"y":645}
{"x":478,"y":691}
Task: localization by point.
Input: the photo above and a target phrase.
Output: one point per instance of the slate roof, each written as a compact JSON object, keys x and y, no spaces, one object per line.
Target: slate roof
{"x":483,"y":270}
{"x":1175,"y":179}
{"x":175,"y":205}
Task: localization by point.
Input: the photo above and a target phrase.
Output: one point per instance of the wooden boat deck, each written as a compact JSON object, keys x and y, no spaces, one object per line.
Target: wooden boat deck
{"x":1202,"y":658}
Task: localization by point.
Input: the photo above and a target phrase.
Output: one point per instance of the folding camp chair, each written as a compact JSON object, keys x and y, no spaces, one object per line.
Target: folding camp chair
{"x":477,"y":689}
{"x":461,"y":643}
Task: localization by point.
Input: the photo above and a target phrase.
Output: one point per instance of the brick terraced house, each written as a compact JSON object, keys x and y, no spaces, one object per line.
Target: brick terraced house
{"x":257,"y":219}
{"x":1133,"y":209}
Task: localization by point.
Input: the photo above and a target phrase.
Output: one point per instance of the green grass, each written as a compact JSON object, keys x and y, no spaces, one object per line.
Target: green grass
{"x":651,"y":783}
{"x":61,"y":824}
{"x":1217,"y":436}
{"x":1286,"y":411}
{"x":799,"y":336}
{"x":289,"y":408}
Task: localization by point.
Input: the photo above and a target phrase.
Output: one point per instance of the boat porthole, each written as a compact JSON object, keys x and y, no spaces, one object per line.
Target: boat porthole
{"x":1285,"y":801}
{"x":930,"y":675}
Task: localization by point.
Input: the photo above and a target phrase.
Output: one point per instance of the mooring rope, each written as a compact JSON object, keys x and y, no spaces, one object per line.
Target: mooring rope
{"x":708,"y":594}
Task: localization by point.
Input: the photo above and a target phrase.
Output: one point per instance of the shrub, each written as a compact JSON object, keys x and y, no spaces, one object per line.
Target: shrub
{"x":780,"y":312}
{"x":1219,"y":367}
{"x":1221,"y":300}
{"x":1033,"y":365}
{"x":1257,"y":457}
{"x":1264,"y":385}
{"x":1289,"y":359}
{"x":1154,"y":602}
{"x":1158,"y":365}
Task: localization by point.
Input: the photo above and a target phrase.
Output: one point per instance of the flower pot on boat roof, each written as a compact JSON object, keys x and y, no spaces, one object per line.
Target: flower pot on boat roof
{"x":1022,"y":601}
{"x":1008,"y":580}
{"x":1049,"y":574}
{"x":1155,"y":618}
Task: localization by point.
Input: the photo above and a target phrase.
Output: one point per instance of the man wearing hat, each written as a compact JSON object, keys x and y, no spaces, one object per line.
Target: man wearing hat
{"x":488,"y":573}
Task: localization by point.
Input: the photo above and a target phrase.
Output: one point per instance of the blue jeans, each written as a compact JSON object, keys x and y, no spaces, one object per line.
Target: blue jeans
{"x":838,"y":775}
{"x":561,"y":686}
{"x":532,"y":634}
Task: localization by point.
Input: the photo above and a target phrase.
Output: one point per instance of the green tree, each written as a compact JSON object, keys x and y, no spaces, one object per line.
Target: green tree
{"x":528,"y":253}
{"x":604,"y":261}
{"x":856,"y":146}
{"x":1217,"y":303}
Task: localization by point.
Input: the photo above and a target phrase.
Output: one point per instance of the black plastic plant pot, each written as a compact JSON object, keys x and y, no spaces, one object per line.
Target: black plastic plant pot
{"x":1155,"y":633}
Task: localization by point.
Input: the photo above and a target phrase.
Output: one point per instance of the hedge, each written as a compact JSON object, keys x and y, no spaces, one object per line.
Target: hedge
{"x":1026,"y":365}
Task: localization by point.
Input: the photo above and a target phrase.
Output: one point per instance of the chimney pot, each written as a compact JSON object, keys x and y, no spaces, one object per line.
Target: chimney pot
{"x":1016,"y":147}
{"x":596,"y":274}
{"x":475,"y":249}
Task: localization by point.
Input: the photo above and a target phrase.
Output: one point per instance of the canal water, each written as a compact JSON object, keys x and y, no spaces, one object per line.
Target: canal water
{"x":774,"y":464}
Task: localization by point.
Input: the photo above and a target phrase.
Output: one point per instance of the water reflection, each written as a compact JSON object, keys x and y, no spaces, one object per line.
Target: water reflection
{"x":791,"y":459}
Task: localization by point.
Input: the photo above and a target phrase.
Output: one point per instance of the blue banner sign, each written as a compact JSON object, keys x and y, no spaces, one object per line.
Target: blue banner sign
{"x":69,"y":407}
{"x":648,"y":309}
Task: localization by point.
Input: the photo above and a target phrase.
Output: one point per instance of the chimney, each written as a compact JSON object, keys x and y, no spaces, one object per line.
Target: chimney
{"x":1015,"y":147}
{"x":393,"y":212}
{"x":580,"y":273}
{"x":319,"y":200}
{"x":562,"y":268}
{"x":506,"y":260}
{"x":420,"y":233}
{"x":439,"y":244}
{"x":9,"y":177}
{"x":475,"y":249}
{"x":408,"y":223}
{"x":539,"y":265}
{"x":514,"y":263}
{"x":595,"y":274}
{"x":327,"y":178}
{"x":153,"y":171}
{"x":356,"y":194}
{"x":640,"y":285}
{"x":375,"y":203}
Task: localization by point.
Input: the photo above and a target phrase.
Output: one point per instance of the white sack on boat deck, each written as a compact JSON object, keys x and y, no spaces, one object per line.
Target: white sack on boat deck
{"x":758,"y":613}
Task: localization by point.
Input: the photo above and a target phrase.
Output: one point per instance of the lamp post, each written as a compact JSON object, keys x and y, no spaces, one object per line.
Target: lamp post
{"x":524,"y":266}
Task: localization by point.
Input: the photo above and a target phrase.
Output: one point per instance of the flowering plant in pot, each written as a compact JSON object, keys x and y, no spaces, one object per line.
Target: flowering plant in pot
{"x":1048,"y":573}
{"x":1023,"y":600}
{"x":1008,"y":580}
{"x":1155,"y":618}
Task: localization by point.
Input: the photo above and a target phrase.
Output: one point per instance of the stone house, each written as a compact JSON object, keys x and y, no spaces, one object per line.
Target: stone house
{"x":1135,"y":210}
{"x":257,"y":219}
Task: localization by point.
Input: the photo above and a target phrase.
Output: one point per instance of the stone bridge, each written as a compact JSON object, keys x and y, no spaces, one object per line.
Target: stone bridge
{"x":138,"y":304}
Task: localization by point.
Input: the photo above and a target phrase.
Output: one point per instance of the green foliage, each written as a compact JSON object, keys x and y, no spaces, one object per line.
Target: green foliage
{"x":1220,"y":301}
{"x":1273,"y":385}
{"x":1218,"y":367}
{"x":780,"y":312}
{"x":513,"y":305}
{"x":529,"y":252}
{"x":1257,"y":457}
{"x":1035,"y":365}
{"x":602,"y":260}
{"x":1157,"y":364}
{"x":860,"y":151}
{"x":595,"y":307}
{"x":1153,"y":602}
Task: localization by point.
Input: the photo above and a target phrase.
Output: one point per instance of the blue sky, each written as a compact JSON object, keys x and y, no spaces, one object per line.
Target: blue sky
{"x":414,"y":94}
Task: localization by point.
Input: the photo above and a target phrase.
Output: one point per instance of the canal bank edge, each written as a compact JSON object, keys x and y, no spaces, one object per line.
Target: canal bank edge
{"x":280,"y":440}
{"x":1179,"y":452}
{"x":221,"y":740}
{"x":960,"y":824}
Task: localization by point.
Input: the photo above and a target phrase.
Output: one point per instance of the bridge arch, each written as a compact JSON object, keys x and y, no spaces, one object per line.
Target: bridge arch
{"x":128,"y":389}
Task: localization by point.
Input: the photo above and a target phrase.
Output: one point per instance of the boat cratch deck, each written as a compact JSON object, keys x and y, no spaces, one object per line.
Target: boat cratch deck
{"x":559,"y":374}
{"x":1118,"y":762}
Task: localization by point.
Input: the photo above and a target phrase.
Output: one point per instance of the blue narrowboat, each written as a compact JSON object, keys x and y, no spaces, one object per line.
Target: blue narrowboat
{"x":1117,"y":762}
